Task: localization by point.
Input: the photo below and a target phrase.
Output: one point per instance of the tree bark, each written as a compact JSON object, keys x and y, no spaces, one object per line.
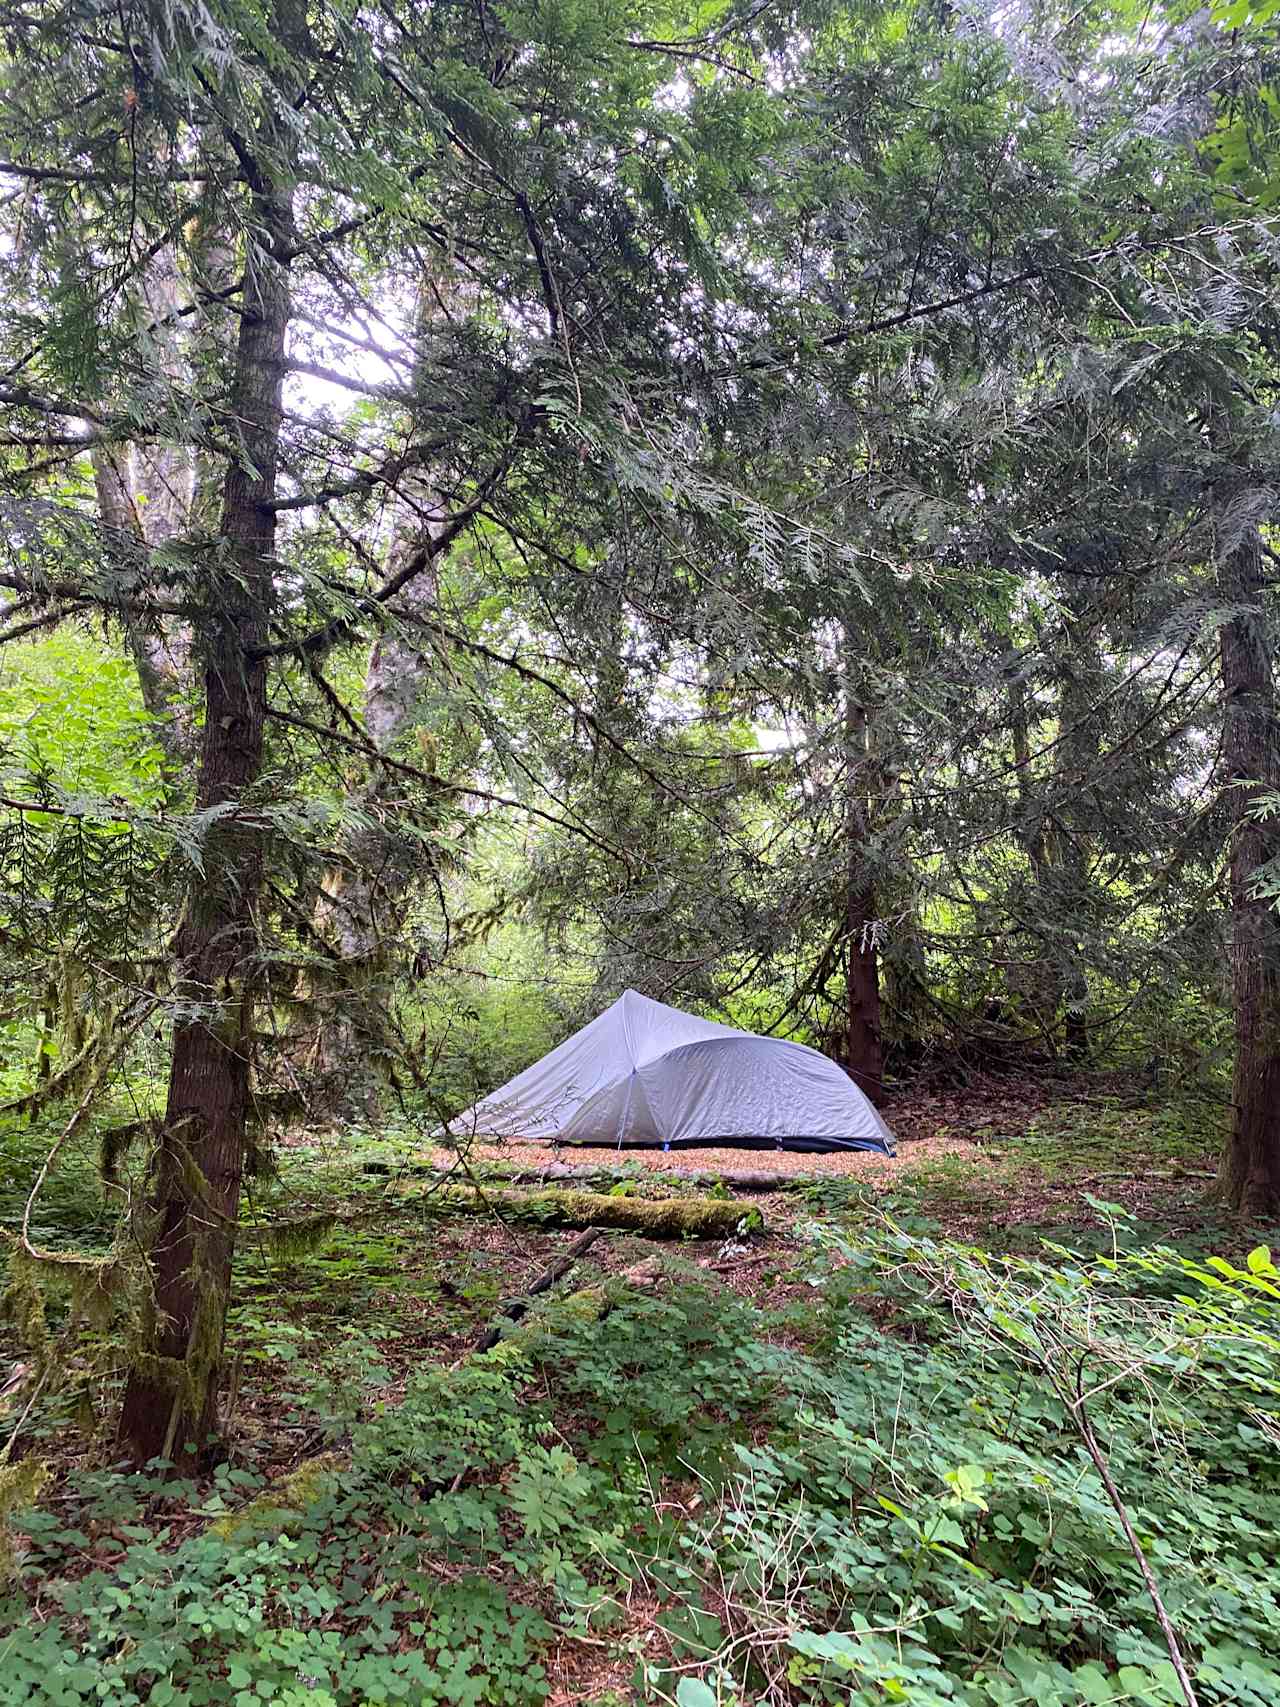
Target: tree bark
{"x":357,"y":906}
{"x":865,"y":1060}
{"x":170,"y":1398}
{"x":1076,"y":764}
{"x":864,"y":1043}
{"x":1250,"y":1171}
{"x":147,"y":492}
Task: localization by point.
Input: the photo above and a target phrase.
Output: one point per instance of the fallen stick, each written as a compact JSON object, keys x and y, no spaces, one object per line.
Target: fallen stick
{"x":518,"y":1307}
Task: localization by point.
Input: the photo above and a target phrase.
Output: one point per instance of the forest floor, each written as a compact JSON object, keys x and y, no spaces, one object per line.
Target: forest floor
{"x":355,"y":1336}
{"x":999,"y":1154}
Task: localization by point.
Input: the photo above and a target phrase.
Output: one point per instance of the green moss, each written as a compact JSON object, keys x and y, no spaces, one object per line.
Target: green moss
{"x":289,"y":1240}
{"x":654,"y":1218}
{"x":20,"y":1485}
{"x":279,"y":1509}
{"x":116,"y":1143}
{"x":23,"y":1301}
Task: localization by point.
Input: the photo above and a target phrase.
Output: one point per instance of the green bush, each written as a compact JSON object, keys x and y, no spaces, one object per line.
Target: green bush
{"x":932,"y":1527}
{"x":916,"y":1513}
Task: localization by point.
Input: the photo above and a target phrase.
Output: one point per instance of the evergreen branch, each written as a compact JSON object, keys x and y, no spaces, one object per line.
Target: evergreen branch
{"x":962,"y":299}
{"x":438,"y":783}
{"x":387,"y":475}
{"x":70,"y":175}
{"x":19,"y":397}
{"x":345,"y":627}
{"x":47,"y":619}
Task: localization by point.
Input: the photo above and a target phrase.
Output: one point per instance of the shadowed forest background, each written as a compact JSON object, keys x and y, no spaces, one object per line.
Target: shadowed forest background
{"x":768,"y":505}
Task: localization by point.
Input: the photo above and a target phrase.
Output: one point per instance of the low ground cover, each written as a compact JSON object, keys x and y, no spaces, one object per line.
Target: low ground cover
{"x":896,"y":1445}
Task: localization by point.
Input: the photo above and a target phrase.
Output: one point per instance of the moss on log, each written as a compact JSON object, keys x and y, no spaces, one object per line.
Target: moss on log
{"x":281,"y":1507}
{"x":652,"y":1218}
{"x":589,"y":1174}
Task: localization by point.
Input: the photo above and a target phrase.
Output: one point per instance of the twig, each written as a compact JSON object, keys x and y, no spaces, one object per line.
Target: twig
{"x":1085,"y":1427}
{"x":518,"y":1307}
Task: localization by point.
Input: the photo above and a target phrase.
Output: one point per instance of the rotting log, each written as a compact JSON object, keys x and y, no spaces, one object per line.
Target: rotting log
{"x":654,"y":1218}
{"x":749,"y":1179}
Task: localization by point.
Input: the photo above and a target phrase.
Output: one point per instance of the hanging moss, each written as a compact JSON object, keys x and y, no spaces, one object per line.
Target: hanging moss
{"x":115,"y":1145}
{"x":94,"y":1292}
{"x":288,"y":1240}
{"x":20,"y":1486}
{"x":260,"y":1159}
{"x":169,"y":1373}
{"x":23,"y":1302}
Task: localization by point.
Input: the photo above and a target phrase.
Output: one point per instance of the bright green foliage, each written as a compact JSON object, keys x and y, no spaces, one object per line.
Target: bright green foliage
{"x":70,"y":709}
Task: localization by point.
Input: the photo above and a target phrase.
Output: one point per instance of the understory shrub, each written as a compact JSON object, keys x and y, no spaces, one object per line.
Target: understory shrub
{"x":932,"y":1528}
{"x":930,"y":1510}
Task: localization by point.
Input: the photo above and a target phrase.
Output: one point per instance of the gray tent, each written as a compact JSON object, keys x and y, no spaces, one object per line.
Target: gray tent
{"x":646,"y":1074}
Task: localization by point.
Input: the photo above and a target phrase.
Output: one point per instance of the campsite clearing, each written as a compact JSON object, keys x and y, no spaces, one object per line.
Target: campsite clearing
{"x":583,"y":1462}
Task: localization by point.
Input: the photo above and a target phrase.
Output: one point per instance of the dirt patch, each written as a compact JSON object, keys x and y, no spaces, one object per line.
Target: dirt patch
{"x":928,"y":1125}
{"x":689,"y":1161}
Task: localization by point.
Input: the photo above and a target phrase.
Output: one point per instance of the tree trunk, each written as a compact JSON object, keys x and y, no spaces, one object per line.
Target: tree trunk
{"x":170,"y":1398}
{"x":1076,"y":763}
{"x":864,"y":1044}
{"x":360,"y":900}
{"x":1032,"y":983}
{"x":1052,"y":988}
{"x":1250,"y":1172}
{"x":865,"y":1059}
{"x":148,"y":492}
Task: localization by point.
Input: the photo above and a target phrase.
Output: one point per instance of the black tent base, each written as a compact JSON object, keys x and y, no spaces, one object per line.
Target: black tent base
{"x":810,"y":1146}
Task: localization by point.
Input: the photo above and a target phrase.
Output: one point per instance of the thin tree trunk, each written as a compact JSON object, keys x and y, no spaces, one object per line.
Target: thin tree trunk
{"x":361,"y":900}
{"x":1076,"y":764}
{"x":1033,"y":985}
{"x":864,"y":1044}
{"x":170,"y":1398}
{"x":1250,"y":1172}
{"x":865,"y":1060}
{"x":146,"y":491}
{"x":1053,"y":988}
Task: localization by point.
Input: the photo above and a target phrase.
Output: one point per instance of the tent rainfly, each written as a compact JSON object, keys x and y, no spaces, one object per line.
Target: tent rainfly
{"x":646,"y":1074}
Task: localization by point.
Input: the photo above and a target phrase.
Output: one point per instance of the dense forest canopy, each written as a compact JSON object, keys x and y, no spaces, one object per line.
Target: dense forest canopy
{"x":770,"y":505}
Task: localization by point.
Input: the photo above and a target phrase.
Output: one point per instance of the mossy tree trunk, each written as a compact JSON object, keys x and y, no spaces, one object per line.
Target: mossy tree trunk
{"x":189,"y":1225}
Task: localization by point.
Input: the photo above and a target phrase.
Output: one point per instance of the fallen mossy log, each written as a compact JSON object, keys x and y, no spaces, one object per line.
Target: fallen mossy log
{"x":652,"y":1217}
{"x":282,"y":1504}
{"x":748,"y":1179}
